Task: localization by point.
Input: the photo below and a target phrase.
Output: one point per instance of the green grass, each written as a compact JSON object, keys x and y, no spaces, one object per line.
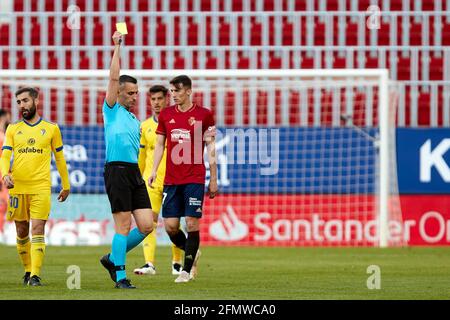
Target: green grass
{"x":241,"y":273}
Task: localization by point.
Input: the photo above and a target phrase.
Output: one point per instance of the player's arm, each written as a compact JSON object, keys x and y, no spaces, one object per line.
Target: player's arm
{"x":5,"y":160}
{"x":142,"y":152}
{"x":114,"y":71}
{"x":60,"y":161}
{"x":157,"y":156}
{"x":212,"y":159}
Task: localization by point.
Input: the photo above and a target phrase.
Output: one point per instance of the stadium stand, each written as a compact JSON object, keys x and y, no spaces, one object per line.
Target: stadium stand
{"x":412,"y":41}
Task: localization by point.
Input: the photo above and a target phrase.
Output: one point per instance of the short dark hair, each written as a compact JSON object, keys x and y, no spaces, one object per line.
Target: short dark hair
{"x":126,"y":78}
{"x":183,"y":79}
{"x":33,"y":92}
{"x":158,"y":88}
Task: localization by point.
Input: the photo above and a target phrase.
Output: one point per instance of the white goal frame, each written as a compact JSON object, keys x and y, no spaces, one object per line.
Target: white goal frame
{"x":383,"y":104}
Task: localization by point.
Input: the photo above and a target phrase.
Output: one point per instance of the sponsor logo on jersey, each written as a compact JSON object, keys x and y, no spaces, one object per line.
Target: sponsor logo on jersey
{"x":30,"y":150}
{"x":43,"y":131}
{"x":180,"y":135}
{"x":31,"y":141}
{"x":172,"y":121}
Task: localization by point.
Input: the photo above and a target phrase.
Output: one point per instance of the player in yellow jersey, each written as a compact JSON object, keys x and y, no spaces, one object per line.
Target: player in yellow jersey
{"x":32,"y":141}
{"x":158,"y":100}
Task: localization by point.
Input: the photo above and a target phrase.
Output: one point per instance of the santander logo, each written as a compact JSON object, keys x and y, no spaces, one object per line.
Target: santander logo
{"x":228,"y":227}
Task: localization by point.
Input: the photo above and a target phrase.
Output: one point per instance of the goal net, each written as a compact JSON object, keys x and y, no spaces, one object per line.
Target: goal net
{"x":305,"y":157}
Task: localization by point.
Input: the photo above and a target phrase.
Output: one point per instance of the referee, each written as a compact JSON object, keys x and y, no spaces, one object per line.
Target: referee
{"x":125,"y":187}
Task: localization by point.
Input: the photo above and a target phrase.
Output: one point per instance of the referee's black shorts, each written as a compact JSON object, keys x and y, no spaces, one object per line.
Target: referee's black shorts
{"x":125,"y":187}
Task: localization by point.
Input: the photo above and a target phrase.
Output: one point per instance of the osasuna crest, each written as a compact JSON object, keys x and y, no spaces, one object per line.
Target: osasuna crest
{"x":191,"y":121}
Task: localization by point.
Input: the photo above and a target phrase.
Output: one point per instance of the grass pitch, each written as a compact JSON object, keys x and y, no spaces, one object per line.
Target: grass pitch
{"x":242,"y":273}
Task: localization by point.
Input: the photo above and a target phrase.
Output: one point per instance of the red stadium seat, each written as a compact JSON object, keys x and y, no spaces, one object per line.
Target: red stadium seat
{"x":4,"y":34}
{"x":160,"y":32}
{"x":18,"y":5}
{"x":35,"y":32}
{"x":20,"y":29}
{"x":205,"y":5}
{"x":52,"y":60}
{"x":147,"y":63}
{"x":143,"y":5}
{"x":243,"y":61}
{"x":256,"y":32}
{"x":21,"y":62}
{"x":384,"y":33}
{"x":111,"y":5}
{"x":332,"y":5}
{"x":269,"y":5}
{"x":37,"y":60}
{"x":396,"y":5}
{"x":174,"y":5}
{"x":351,"y":32}
{"x":179,"y":61}
{"x":300,"y":5}
{"x":307,"y":62}
{"x":339,"y":62}
{"x":211,"y":61}
{"x":424,"y":109}
{"x":5,"y":59}
{"x":84,"y":62}
{"x":208,"y":31}
{"x":237,"y":5}
{"x":224,"y":32}
{"x":98,"y":32}
{"x":404,"y":68}
{"x":275,"y":62}
{"x":68,"y":59}
{"x":100,"y":59}
{"x":49,"y":5}
{"x":446,"y":33}
{"x":415,"y":34}
{"x":288,"y":32}
{"x":436,"y":68}
{"x":192,"y":33}
{"x":319,"y":33}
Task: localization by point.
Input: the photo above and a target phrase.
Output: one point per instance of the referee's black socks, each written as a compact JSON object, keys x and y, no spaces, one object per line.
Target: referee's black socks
{"x":192,"y":244}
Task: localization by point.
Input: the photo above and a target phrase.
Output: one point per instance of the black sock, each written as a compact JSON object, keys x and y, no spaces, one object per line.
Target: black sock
{"x":192,"y":244}
{"x":179,"y":239}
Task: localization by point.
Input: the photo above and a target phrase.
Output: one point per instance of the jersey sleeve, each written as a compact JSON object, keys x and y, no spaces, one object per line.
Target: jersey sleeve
{"x":109,"y":112}
{"x":8,"y":143}
{"x":57,"y":143}
{"x":209,"y":126}
{"x":161,"y":129}
{"x":60,"y":161}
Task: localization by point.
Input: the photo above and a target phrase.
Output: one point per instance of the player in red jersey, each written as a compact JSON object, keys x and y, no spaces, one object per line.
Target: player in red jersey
{"x":186,"y":127}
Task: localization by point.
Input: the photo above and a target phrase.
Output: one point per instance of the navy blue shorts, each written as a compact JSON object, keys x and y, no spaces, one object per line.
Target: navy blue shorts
{"x":183,"y":200}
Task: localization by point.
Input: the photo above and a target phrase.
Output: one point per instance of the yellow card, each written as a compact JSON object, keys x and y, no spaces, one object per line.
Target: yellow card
{"x":122,"y":27}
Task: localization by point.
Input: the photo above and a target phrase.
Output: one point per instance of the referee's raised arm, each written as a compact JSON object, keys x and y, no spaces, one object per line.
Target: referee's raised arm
{"x":114,"y":71}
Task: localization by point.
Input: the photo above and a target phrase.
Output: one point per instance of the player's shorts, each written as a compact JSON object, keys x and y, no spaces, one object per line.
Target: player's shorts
{"x":184,"y":200}
{"x":23,"y":207}
{"x":125,"y":187}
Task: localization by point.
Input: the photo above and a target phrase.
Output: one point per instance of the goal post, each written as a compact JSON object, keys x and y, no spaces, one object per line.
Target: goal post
{"x":341,"y":113}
